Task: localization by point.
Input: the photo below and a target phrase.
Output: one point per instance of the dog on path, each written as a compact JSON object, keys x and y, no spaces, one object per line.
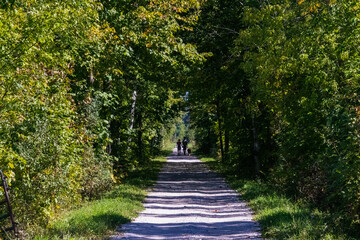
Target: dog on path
{"x":189,"y":152}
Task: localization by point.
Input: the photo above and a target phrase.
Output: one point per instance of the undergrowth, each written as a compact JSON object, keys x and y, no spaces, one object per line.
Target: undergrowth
{"x":99,"y":219}
{"x":280,"y":216}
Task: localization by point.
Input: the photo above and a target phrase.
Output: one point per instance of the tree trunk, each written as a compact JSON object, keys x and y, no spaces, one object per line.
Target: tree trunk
{"x":226,"y":135}
{"x":209,"y":143}
{"x":227,"y":144}
{"x":91,"y":76}
{"x":139,"y":139}
{"x":218,"y":112}
{"x":256,"y":147}
{"x":132,"y":114}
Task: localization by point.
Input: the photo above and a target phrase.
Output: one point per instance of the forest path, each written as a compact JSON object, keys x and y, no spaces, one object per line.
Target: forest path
{"x":191,"y":202}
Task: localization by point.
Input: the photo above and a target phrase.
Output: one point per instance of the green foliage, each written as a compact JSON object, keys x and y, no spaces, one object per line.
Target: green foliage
{"x":280,"y":216}
{"x":39,"y":140}
{"x":282,"y":102}
{"x":299,"y":71}
{"x":99,"y":218}
{"x":90,"y":88}
{"x":70,"y":124}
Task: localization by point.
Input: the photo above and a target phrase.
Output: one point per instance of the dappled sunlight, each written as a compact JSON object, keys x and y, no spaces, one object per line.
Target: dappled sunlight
{"x":191,"y":202}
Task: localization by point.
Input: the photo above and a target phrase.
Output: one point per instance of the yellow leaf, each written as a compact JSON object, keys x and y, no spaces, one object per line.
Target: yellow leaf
{"x":11,"y":165}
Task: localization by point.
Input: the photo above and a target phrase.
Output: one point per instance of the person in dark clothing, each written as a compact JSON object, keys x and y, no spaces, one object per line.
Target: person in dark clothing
{"x":178,"y":143}
{"x":184,"y":145}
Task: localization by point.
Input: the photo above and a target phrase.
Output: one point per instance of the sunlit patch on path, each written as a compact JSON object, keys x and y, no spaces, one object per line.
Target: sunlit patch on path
{"x":191,"y":202}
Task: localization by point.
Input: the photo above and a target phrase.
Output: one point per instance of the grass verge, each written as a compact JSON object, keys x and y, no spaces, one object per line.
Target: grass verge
{"x":279,"y":216}
{"x":99,"y":219}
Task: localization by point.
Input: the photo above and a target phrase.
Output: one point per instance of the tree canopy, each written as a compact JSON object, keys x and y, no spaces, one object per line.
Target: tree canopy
{"x":89,"y":88}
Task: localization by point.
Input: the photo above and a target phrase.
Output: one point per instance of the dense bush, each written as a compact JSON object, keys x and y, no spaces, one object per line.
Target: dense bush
{"x":284,"y":95}
{"x":84,"y":94}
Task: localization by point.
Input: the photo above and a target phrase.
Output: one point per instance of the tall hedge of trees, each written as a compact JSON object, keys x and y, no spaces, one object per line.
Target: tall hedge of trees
{"x":85,"y":93}
{"x":282,"y":102}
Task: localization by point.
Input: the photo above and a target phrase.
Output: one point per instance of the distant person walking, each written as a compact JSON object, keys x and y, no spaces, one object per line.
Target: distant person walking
{"x":184,"y":145}
{"x":178,"y":143}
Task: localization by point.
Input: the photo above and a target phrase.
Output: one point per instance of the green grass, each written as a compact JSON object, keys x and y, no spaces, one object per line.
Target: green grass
{"x":167,"y":149}
{"x":99,"y":219}
{"x":280,"y":217}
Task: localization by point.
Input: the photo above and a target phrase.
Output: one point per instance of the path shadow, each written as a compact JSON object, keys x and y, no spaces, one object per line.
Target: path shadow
{"x":191,"y":202}
{"x":191,"y":231}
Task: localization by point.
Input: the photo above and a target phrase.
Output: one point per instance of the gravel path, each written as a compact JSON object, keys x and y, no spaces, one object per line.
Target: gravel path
{"x":191,"y":202}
